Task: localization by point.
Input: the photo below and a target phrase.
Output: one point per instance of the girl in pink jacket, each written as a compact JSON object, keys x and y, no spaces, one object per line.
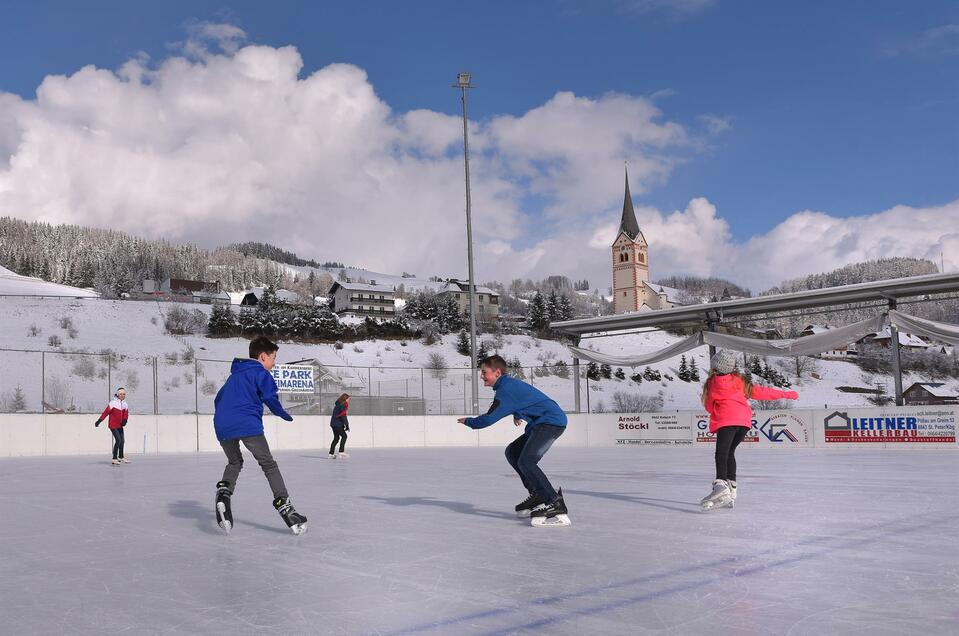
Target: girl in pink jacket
{"x":726,"y":396}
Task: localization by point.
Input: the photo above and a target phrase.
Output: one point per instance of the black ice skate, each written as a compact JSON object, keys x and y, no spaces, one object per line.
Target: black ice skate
{"x":528,"y":505}
{"x":554,"y":515}
{"x":224,"y":515}
{"x":294,"y":520}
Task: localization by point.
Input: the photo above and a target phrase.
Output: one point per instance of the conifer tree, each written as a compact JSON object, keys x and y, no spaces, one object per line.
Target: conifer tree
{"x":463,"y":344}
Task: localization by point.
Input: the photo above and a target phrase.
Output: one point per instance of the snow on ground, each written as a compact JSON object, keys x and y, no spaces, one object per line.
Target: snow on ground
{"x":13,"y":284}
{"x":135,"y":329}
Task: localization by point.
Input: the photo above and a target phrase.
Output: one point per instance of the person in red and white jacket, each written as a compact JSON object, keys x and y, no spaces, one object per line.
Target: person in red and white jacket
{"x":726,"y":396}
{"x":118,"y":412}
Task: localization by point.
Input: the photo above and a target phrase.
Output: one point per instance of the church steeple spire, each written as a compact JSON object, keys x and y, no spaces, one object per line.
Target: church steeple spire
{"x":628,"y":223}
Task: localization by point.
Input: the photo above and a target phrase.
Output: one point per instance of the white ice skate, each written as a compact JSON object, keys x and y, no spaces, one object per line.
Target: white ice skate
{"x":719,"y":497}
{"x":732,"y":493}
{"x":344,"y":454}
{"x":332,"y":455}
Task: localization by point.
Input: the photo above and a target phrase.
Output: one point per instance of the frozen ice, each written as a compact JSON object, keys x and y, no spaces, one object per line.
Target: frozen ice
{"x":425,"y":541}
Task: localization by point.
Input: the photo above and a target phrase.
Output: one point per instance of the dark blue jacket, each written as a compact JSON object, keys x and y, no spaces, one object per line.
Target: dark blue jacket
{"x":339,"y":419}
{"x":521,"y":400}
{"x":238,"y":407}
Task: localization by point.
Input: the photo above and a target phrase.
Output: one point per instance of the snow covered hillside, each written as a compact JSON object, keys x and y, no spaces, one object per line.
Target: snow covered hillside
{"x":189,"y":369}
{"x":13,"y":284}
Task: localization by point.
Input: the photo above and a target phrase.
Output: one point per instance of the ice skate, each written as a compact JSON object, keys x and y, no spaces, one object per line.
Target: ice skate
{"x":344,"y":454}
{"x":554,"y":515}
{"x":115,"y":462}
{"x":224,"y":515}
{"x":332,"y":455}
{"x":528,"y":505}
{"x":732,"y":493}
{"x":124,"y":460}
{"x":719,"y":497}
{"x":294,"y":520}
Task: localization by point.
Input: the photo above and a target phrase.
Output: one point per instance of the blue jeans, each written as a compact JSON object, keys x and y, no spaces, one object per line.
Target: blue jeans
{"x":524,"y":453}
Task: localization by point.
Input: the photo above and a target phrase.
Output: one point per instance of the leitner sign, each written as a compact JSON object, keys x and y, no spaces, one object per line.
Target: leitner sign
{"x":294,"y":378}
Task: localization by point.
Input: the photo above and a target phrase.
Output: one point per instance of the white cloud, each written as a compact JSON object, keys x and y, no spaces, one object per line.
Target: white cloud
{"x":697,"y":241}
{"x":237,"y":146}
{"x":715,"y":124}
{"x":675,"y":8}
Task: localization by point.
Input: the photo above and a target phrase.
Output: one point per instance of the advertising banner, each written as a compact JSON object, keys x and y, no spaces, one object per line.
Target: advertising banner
{"x":903,"y":425}
{"x":778,"y":429}
{"x":622,"y":429}
{"x":294,"y":378}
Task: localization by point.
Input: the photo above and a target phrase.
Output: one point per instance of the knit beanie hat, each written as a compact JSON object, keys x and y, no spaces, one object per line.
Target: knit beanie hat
{"x":724,"y":361}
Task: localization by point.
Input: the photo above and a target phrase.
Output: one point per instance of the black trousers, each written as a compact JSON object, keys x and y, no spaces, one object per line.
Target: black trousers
{"x":727,"y":439}
{"x":118,"y":440}
{"x":339,"y":435}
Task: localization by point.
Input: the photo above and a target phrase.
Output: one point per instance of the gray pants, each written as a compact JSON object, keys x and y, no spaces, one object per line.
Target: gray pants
{"x":260,"y":449}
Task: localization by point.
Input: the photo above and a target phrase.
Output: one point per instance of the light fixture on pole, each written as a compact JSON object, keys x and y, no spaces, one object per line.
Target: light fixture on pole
{"x":463,"y":83}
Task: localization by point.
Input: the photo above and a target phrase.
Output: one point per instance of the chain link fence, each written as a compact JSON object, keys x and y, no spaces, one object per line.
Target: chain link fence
{"x":180,"y":383}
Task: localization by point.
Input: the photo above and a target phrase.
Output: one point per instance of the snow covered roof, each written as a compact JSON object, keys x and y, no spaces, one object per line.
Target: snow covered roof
{"x":287,"y":295}
{"x":672,"y":294}
{"x":13,"y":284}
{"x":937,"y":389}
{"x":814,"y":329}
{"x":905,"y":339}
{"x":386,"y":289}
{"x":459,"y":286}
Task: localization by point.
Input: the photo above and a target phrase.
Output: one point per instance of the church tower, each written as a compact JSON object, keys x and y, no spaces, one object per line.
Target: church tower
{"x":630,"y":261}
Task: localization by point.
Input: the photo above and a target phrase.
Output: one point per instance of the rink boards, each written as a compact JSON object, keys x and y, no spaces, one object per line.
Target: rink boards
{"x":889,"y":427}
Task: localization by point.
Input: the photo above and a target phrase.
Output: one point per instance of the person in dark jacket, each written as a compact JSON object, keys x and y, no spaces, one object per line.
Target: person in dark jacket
{"x":340,"y":425}
{"x":545,"y":422}
{"x":238,"y":417}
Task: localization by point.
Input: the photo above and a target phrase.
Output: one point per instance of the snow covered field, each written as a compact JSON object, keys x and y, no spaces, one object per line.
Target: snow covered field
{"x":424,"y":541}
{"x":134,"y":330}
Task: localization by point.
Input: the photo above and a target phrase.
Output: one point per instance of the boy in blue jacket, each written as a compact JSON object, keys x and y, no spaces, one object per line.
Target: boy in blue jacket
{"x":545,"y":422}
{"x":238,"y":417}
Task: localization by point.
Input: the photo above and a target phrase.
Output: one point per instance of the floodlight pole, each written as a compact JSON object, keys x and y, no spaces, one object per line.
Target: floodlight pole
{"x":463,"y":83}
{"x":894,"y":350}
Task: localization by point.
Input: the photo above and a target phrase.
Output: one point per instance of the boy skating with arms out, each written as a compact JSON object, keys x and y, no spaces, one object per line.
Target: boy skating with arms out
{"x":238,"y":417}
{"x":545,"y":422}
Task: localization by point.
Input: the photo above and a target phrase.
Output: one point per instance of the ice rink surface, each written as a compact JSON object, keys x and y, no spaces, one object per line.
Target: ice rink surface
{"x":424,"y":541}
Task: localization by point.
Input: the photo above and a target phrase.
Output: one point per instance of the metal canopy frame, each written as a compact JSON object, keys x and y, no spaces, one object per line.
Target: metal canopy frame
{"x":712,"y":314}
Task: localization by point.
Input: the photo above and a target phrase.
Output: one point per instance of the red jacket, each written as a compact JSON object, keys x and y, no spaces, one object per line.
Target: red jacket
{"x":727,"y":404}
{"x":118,"y":412}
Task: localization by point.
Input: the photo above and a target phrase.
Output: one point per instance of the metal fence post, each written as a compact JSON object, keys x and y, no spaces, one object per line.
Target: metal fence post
{"x":196,"y":386}
{"x":43,"y":382}
{"x":156,"y":393}
{"x":576,"y":385}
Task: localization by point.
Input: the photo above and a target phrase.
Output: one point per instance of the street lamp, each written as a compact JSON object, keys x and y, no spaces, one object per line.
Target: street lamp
{"x":463,"y":83}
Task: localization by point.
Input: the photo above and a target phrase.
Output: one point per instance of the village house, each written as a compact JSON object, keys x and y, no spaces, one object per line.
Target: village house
{"x":923,"y":393}
{"x":362,"y":299}
{"x":487,"y":300}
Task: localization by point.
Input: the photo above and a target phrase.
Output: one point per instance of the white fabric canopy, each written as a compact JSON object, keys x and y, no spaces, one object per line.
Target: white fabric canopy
{"x":828,"y":340}
{"x":682,"y":346}
{"x":941,"y":331}
{"x":806,"y":346}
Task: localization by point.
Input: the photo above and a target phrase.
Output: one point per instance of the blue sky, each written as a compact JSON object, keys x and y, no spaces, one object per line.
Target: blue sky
{"x":843,"y":107}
